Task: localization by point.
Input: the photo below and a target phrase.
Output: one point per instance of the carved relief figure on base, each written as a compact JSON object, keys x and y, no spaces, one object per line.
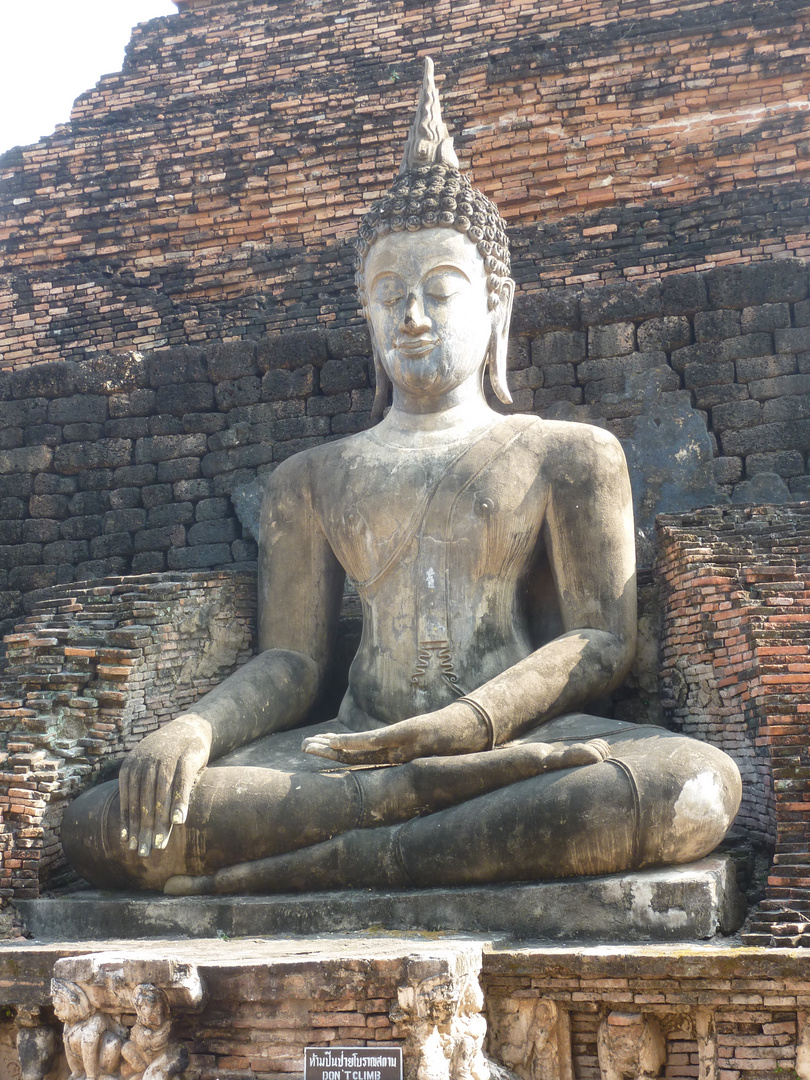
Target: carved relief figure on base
{"x":630,"y":1046}
{"x":92,"y":1039}
{"x":149,"y":1054}
{"x":493,"y":555}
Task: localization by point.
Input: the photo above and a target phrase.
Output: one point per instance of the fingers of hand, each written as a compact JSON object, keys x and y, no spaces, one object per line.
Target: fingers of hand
{"x":163,"y":807}
{"x":123,"y":799}
{"x":322,"y":746}
{"x":147,"y":810}
{"x":345,"y":748}
{"x":185,"y":774}
{"x":134,"y":783}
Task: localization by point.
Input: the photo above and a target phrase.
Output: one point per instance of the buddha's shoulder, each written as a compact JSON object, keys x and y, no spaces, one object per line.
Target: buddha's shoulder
{"x":571,"y":452}
{"x":563,"y":434}
{"x":316,"y":465}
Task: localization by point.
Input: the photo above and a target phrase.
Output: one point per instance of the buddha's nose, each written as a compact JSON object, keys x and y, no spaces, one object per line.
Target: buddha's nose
{"x":415,"y":320}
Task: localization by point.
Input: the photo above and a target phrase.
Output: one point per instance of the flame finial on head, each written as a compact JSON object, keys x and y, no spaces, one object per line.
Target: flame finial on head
{"x":429,"y":141}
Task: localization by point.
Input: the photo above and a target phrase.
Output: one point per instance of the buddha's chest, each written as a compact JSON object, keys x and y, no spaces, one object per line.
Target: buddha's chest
{"x":474,"y":517}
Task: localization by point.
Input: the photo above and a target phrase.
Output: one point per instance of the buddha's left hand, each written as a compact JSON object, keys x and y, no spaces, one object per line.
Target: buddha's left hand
{"x":455,"y":729}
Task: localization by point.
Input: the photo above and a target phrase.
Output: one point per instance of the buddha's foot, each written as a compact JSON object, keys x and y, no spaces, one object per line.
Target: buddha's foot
{"x":584,"y":753}
{"x":186,"y":885}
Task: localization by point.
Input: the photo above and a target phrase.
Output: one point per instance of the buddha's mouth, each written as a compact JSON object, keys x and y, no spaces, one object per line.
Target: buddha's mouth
{"x":416,"y":347}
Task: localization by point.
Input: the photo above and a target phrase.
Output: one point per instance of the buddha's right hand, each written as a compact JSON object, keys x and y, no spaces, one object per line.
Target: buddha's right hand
{"x":156,"y":781}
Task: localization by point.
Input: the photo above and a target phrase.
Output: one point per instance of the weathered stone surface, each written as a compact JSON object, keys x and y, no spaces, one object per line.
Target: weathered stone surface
{"x":103,"y":454}
{"x":170,"y":514}
{"x":160,"y":447}
{"x":348,"y":341}
{"x":616,"y":339}
{"x":671,"y":465}
{"x":237,"y":393}
{"x":155,"y":495}
{"x":82,"y":528}
{"x":623,"y":300}
{"x":716,"y":325}
{"x":668,"y":333}
{"x":174,"y":470}
{"x":738,"y":414}
{"x":26,"y":459}
{"x":677,"y":904}
{"x":766,"y":317}
{"x":184,"y":398}
{"x":337,"y":376}
{"x":744,"y":346}
{"x":280,"y":384}
{"x":178,"y":365}
{"x":784,"y":463}
{"x":247,"y":501}
{"x":82,"y":408}
{"x":44,"y":380}
{"x":292,"y":350}
{"x":191,"y":558}
{"x":213,"y":532}
{"x":757,"y":283}
{"x":765,"y":487}
{"x":765,"y":367}
{"x":240,"y":457}
{"x":232,"y":360}
{"x":137,"y":403}
{"x":767,"y":438}
{"x":124,"y":520}
{"x":48,"y":506}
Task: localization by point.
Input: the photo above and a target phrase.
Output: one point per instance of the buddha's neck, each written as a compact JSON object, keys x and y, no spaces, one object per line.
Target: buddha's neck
{"x":439,"y":427}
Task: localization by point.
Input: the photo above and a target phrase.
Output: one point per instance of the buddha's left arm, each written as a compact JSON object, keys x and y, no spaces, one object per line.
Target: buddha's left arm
{"x":588,"y":533}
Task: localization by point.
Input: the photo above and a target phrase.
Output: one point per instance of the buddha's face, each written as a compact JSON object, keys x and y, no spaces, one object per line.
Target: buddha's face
{"x":426,"y":295}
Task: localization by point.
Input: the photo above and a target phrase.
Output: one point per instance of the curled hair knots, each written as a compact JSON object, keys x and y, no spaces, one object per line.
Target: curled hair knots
{"x":439,"y":195}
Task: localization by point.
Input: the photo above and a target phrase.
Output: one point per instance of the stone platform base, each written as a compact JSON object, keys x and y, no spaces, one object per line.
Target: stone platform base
{"x":675,"y":904}
{"x":246,"y":1009}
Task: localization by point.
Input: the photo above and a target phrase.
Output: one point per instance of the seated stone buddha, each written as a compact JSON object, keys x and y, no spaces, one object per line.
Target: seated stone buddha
{"x":494,"y":559}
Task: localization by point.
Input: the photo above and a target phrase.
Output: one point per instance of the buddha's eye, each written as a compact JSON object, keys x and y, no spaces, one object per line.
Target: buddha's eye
{"x":444,"y":284}
{"x":388,"y":290}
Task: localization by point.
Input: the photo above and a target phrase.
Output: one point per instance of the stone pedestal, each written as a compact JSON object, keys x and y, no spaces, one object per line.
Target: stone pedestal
{"x":675,"y":904}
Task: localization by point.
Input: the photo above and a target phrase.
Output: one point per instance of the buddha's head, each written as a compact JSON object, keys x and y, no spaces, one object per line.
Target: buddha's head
{"x":433,"y":269}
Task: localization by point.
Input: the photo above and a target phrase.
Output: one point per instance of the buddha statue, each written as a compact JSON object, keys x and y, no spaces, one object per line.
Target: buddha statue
{"x":494,"y":559}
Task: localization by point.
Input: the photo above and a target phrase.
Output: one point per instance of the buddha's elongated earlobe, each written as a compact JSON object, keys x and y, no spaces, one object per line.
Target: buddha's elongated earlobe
{"x":382,"y":392}
{"x":499,"y":341}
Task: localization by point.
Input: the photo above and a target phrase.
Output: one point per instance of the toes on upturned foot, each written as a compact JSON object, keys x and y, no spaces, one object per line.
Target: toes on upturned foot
{"x":185,"y":885}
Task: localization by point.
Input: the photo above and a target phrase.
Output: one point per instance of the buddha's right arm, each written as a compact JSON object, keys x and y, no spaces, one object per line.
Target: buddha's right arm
{"x":300,"y":588}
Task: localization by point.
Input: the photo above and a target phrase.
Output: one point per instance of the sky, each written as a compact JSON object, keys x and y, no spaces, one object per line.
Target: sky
{"x":53,"y":50}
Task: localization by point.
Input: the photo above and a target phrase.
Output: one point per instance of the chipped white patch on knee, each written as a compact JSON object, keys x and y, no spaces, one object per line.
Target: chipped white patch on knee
{"x":701,"y":798}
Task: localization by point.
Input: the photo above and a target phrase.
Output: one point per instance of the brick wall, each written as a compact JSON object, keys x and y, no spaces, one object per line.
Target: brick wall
{"x":736,"y":672}
{"x":89,"y":674}
{"x":210,"y":190}
{"x":726,"y":1014}
{"x":133,"y":462}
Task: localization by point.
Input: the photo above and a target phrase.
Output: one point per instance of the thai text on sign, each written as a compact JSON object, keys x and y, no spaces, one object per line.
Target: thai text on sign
{"x":353,"y":1063}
